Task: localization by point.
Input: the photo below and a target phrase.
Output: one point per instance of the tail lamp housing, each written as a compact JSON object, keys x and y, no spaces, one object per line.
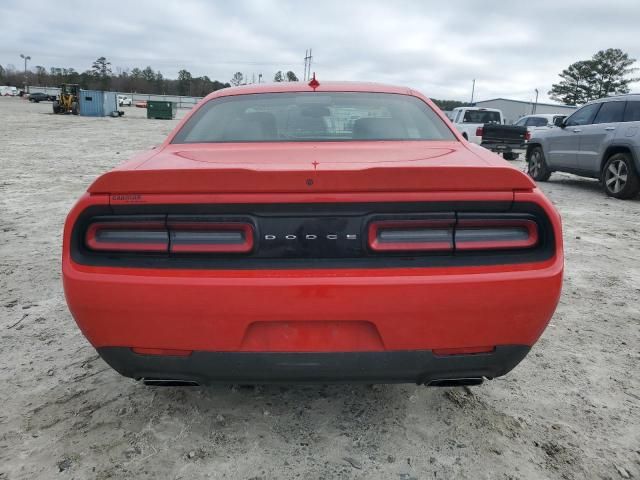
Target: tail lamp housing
{"x":327,"y":236}
{"x":411,"y":235}
{"x":479,"y":132}
{"x":124,"y":236}
{"x":173,"y":236}
{"x":455,"y":235}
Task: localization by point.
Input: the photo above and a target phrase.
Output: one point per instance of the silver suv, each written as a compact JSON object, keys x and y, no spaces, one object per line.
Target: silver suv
{"x":600,"y":140}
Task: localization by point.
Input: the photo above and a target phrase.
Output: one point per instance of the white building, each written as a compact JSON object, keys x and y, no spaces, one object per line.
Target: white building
{"x":512,"y":110}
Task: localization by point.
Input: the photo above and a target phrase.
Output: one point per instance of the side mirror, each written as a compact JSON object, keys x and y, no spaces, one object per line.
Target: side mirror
{"x":559,"y":122}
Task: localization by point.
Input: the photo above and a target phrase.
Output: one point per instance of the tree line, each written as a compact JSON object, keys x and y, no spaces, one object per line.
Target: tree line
{"x":606,"y":73}
{"x":139,"y":80}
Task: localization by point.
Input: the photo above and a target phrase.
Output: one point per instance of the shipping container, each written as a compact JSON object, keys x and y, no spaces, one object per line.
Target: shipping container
{"x":95,"y":103}
{"x":161,"y":109}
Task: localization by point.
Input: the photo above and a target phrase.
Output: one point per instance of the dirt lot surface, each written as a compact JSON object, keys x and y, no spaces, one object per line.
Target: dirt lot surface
{"x":571,"y":409}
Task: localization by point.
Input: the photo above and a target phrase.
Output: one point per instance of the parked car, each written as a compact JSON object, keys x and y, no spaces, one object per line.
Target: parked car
{"x":468,"y":119}
{"x":503,"y":139}
{"x":541,"y":121}
{"x":124,"y":100}
{"x":266,"y":241}
{"x":38,"y":97}
{"x":141,"y":104}
{"x":600,"y":140}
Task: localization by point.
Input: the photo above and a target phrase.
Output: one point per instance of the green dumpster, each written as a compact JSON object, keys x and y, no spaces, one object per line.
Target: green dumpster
{"x":161,"y":109}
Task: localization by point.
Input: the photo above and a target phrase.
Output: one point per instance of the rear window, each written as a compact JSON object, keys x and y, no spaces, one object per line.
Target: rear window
{"x":537,"y":122}
{"x":313,"y":116}
{"x":481,"y":116}
{"x":610,"y":112}
{"x":632,"y":112}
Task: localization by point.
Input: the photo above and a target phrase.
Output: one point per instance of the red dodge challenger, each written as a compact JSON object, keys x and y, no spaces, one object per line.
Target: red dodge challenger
{"x":317,"y":232}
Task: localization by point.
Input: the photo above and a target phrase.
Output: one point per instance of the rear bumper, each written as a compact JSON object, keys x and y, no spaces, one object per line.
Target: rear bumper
{"x":315,"y":324}
{"x":502,"y":147}
{"x":421,"y":366}
{"x":313,"y":311}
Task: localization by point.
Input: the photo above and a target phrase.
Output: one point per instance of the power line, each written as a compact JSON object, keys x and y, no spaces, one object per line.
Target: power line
{"x":307,"y":65}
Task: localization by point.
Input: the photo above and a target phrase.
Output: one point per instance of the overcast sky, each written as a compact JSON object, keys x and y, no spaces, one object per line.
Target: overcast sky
{"x":437,"y":47}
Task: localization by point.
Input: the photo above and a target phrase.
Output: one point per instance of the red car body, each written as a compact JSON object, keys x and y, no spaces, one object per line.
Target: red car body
{"x":454,"y":315}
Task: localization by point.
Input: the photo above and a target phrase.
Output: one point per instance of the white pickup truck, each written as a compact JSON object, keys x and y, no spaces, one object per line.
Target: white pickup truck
{"x":468,"y":119}
{"x":6,"y":91}
{"x":124,"y":100}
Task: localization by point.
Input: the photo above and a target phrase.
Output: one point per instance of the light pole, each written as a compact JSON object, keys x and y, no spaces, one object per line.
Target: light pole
{"x":26,"y":58}
{"x":535,"y":105}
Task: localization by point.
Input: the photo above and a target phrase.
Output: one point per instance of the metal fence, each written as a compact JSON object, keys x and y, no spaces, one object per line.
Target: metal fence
{"x":182,"y":102}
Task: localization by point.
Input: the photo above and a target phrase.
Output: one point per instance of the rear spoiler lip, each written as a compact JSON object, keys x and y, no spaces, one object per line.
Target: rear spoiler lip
{"x":119,"y":199}
{"x":399,"y":179}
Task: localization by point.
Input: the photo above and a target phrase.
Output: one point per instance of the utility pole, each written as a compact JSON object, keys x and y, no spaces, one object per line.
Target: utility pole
{"x":26,"y":58}
{"x":259,"y":78}
{"x":307,"y":65}
{"x":535,"y":105}
{"x":473,"y":90}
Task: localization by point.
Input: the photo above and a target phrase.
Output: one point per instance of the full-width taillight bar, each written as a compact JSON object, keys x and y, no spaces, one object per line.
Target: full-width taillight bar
{"x":172,"y":236}
{"x":452,"y":235}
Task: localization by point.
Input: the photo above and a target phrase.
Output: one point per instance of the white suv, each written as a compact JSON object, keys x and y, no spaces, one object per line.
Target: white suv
{"x":540,"y":121}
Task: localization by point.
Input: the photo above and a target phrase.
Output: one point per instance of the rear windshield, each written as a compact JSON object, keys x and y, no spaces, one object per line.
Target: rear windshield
{"x":481,"y":116}
{"x":313,"y":116}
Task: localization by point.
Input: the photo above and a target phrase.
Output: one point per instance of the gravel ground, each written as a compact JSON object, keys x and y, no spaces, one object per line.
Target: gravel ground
{"x":571,"y":409}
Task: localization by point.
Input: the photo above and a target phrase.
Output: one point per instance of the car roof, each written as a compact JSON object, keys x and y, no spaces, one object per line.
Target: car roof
{"x":478,"y":109}
{"x":544,"y":115}
{"x":324,"y":86}
{"x":617,"y":98}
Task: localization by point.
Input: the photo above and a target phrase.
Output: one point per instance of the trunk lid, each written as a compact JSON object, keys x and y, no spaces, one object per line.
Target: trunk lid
{"x":330,"y":167}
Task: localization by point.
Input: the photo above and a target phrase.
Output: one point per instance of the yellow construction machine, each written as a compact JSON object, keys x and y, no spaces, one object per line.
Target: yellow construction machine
{"x":68,"y":100}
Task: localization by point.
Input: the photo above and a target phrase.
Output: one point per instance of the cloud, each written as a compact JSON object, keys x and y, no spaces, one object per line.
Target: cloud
{"x":510,"y":48}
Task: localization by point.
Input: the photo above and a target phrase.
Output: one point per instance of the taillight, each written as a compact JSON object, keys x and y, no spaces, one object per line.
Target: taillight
{"x":452,"y":235}
{"x":411,"y":235}
{"x":173,"y":236}
{"x":203,"y":237}
{"x":143,"y":236}
{"x":495,"y":234}
{"x":527,"y":136}
{"x":479,"y":132}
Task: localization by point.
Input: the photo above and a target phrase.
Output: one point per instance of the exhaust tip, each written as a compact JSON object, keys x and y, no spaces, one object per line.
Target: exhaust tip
{"x":455,"y":382}
{"x":167,"y":382}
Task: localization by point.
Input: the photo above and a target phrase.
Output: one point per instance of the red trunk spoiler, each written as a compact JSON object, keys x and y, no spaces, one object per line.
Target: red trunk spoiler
{"x":313,"y":168}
